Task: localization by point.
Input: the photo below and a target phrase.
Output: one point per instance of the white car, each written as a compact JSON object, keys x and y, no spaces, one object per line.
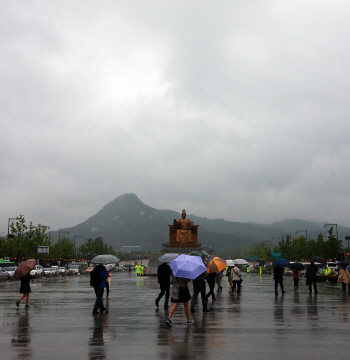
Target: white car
{"x":61,"y":270}
{"x":74,"y":269}
{"x":38,"y":269}
{"x":47,"y":271}
{"x":4,"y":274}
{"x":10,"y":270}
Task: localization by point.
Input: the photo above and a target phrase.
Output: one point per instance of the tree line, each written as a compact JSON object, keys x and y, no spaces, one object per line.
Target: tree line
{"x":22,"y":243}
{"x":301,"y":249}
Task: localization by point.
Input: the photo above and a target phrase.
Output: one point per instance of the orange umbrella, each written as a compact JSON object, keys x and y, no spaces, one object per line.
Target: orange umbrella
{"x":216,"y":264}
{"x":24,"y":268}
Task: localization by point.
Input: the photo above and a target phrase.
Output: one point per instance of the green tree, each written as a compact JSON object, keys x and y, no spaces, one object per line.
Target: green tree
{"x":64,"y":249}
{"x":286,"y":247}
{"x":95,"y":247}
{"x":17,"y":230}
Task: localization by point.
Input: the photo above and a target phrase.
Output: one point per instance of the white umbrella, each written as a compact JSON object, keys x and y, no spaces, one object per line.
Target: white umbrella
{"x":230,"y":263}
{"x":240,"y":262}
{"x":168,"y":257}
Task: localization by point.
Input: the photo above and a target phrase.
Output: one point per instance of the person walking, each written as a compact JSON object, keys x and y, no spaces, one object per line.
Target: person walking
{"x":311,"y":276}
{"x":179,"y":294}
{"x":296,"y":280}
{"x":25,"y":289}
{"x":218,"y":279}
{"x":99,"y":289}
{"x":278,"y":276}
{"x":199,"y":287}
{"x":164,"y":273}
{"x":107,"y":285}
{"x":211,"y":282}
{"x":248,"y":269}
{"x":344,"y":277}
{"x":236,"y":279}
{"x":229,"y":278}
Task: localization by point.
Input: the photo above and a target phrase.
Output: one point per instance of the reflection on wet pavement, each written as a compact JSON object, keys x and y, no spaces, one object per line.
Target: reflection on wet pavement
{"x":60,"y":323}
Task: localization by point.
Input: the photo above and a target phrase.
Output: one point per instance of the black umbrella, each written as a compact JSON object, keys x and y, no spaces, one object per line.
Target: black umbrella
{"x":297,"y":266}
{"x":343,"y":263}
{"x":318,"y":259}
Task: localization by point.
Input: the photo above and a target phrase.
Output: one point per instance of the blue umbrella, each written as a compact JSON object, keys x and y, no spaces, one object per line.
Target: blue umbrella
{"x":281,"y":263}
{"x":188,"y":267}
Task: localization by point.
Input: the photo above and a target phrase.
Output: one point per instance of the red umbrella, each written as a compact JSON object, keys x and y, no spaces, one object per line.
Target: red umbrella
{"x":24,"y":268}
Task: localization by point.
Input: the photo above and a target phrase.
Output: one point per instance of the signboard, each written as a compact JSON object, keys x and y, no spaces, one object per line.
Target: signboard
{"x":276,"y":254}
{"x":43,"y":250}
{"x":252,"y":257}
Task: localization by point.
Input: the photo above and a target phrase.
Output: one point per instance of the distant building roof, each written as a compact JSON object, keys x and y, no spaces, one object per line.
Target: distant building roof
{"x":130,"y":248}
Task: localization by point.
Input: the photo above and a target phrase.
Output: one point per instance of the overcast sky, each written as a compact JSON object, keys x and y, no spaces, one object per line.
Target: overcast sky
{"x":231,"y":109}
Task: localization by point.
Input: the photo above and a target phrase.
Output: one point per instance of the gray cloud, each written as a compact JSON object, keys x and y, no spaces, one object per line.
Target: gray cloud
{"x":231,"y":109}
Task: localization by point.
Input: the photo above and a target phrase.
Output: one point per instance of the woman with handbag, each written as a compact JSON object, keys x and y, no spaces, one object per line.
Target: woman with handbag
{"x":179,"y":294}
{"x":344,"y":276}
{"x":236,"y":279}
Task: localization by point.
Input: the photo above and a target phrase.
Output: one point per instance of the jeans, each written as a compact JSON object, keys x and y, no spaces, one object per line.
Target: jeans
{"x":164,"y":289}
{"x":278,"y":281}
{"x":99,"y":302}
{"x":196,"y":291}
{"x":238,"y":283}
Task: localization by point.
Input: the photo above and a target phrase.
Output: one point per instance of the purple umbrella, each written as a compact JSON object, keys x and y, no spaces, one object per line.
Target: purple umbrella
{"x":187,"y":266}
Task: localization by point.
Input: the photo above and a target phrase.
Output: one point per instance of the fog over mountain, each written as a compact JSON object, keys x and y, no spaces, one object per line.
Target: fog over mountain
{"x":232,"y":109}
{"x":128,"y":221}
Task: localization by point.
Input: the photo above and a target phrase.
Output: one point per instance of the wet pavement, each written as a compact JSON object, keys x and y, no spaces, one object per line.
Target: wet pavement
{"x":60,"y":324}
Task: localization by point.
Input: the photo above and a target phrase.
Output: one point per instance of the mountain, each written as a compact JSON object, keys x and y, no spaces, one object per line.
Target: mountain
{"x":128,"y":221}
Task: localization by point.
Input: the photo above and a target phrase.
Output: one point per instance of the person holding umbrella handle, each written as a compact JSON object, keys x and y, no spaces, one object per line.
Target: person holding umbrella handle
{"x":25,"y":289}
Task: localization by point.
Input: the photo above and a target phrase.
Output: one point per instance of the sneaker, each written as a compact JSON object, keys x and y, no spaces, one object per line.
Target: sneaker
{"x":189,"y":322}
{"x":206,"y":310}
{"x":27,"y":306}
{"x":169,"y":323}
{"x":157,"y":302}
{"x":17,"y":303}
{"x":95,"y":312}
{"x":166,"y":306}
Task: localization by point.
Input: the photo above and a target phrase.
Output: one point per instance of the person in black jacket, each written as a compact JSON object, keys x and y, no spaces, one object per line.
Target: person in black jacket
{"x":211,"y":282}
{"x":199,"y":287}
{"x":164,"y":273}
{"x":278,"y":276}
{"x":25,"y":289}
{"x":311,"y":275}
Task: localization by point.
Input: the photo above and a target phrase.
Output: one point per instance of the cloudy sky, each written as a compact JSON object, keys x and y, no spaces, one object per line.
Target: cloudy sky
{"x":231,"y":109}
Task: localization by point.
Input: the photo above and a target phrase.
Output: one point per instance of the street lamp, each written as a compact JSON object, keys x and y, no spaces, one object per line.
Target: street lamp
{"x":297,"y":231}
{"x":336,"y":231}
{"x":77,"y":236}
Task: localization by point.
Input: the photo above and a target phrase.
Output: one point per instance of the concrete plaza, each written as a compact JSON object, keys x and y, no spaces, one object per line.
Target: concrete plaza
{"x":60,"y":324}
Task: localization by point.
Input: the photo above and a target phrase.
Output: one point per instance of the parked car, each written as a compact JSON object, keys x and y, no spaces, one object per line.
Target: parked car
{"x":4,"y":273}
{"x":62,"y":270}
{"x":74,"y":269}
{"x":10,"y":270}
{"x":38,"y":269}
{"x":47,"y":271}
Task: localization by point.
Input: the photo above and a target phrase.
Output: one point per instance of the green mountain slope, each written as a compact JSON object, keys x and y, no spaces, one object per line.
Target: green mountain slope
{"x":128,"y":221}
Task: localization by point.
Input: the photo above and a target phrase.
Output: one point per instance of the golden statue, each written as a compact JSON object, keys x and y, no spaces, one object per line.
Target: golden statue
{"x":183,"y":232}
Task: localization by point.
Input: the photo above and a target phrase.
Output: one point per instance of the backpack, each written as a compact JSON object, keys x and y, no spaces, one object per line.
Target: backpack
{"x":95,"y":278}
